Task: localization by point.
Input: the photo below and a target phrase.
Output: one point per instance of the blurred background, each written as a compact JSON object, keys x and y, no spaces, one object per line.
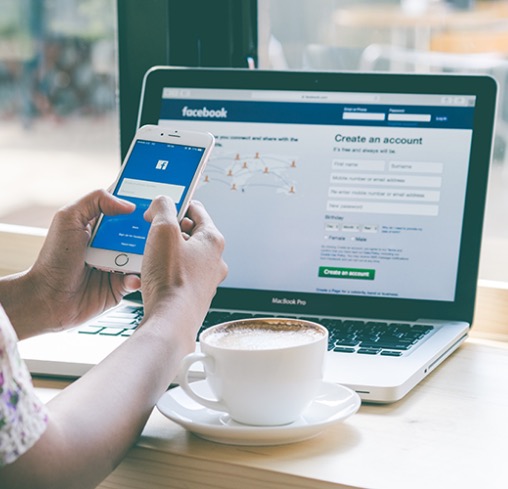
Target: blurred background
{"x":58,"y":111}
{"x":59,"y":118}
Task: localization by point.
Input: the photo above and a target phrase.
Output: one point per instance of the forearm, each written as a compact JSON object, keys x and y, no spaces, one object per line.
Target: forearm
{"x":18,"y":296}
{"x":95,"y":420}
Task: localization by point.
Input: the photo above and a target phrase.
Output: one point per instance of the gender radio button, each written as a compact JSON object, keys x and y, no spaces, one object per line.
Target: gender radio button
{"x":121,"y":260}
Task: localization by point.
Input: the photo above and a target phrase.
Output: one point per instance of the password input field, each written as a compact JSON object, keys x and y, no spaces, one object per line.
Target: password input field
{"x":409,"y":117}
{"x":383,"y":208}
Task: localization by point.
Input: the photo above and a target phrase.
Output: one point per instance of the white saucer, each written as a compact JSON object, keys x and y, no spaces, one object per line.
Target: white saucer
{"x":334,"y":404}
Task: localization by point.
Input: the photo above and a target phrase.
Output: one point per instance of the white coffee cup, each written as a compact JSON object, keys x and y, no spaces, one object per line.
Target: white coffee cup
{"x":262,"y":371}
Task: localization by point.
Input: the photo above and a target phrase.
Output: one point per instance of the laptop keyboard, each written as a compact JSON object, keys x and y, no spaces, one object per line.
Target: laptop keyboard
{"x":345,"y":336}
{"x":121,"y":321}
{"x":374,"y":337}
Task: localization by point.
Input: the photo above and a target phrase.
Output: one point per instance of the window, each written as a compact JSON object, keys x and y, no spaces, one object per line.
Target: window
{"x":59,"y":130}
{"x":58,"y":115}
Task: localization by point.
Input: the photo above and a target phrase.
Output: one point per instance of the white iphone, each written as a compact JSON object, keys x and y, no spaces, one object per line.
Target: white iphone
{"x":160,"y":161}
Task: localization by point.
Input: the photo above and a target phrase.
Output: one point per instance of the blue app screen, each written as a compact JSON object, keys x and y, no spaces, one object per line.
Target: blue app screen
{"x":153,"y":169}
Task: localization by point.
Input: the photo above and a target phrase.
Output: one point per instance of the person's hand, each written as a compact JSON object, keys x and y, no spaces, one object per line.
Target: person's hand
{"x":71,"y":291}
{"x":181,"y":269}
{"x":182,"y":265}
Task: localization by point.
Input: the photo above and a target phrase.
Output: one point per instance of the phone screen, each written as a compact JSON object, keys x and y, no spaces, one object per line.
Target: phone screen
{"x":153,"y":169}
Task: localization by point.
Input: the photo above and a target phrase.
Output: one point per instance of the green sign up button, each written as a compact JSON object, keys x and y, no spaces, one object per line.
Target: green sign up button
{"x":351,"y":273}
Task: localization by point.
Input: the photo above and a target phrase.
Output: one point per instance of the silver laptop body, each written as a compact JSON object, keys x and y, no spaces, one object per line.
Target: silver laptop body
{"x":352,"y":199}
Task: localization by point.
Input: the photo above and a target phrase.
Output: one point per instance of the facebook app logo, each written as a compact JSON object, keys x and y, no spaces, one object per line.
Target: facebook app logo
{"x":161,"y":165}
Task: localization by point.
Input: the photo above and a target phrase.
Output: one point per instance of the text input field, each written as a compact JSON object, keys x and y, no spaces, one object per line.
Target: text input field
{"x":144,"y":189}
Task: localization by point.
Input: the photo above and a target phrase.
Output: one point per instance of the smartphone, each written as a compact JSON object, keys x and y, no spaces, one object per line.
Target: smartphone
{"x":160,"y":161}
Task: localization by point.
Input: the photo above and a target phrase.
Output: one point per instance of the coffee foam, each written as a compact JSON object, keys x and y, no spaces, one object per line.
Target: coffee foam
{"x":259,"y":335}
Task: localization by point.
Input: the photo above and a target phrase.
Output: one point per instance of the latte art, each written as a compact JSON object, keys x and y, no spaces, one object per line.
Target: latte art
{"x":261,"y":371}
{"x":263,"y":335}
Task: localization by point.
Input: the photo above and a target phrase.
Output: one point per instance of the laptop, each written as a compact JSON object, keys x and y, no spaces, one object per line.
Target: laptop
{"x":355,"y":200}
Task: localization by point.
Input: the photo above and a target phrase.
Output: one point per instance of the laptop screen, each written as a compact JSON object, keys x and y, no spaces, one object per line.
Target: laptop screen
{"x":334,"y":193}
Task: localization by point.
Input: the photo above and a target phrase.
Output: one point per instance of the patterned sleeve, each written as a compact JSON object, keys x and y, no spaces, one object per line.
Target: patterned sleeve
{"x":23,"y":417}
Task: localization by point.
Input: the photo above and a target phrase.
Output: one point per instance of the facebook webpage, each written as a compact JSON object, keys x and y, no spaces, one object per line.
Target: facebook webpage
{"x":352,"y":194}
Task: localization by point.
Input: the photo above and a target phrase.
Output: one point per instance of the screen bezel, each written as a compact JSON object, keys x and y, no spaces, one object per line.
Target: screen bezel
{"x":483,"y":87}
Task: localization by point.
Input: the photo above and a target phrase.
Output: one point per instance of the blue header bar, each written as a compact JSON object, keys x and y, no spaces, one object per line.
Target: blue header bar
{"x":318,"y":113}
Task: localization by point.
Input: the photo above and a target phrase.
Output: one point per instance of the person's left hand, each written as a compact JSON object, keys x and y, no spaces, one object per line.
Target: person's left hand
{"x":71,"y":291}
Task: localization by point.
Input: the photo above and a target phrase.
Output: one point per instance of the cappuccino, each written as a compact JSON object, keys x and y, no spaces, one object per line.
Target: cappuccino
{"x":261,"y":371}
{"x":263,"y":335}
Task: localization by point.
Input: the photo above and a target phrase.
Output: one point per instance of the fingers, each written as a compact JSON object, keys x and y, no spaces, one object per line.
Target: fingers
{"x":199,"y":216}
{"x":164,"y":223}
{"x":186,"y":226}
{"x":162,"y":215}
{"x":177,"y":254}
{"x":162,"y":208}
{"x":204,"y":227}
{"x":91,"y":205}
{"x":129,"y":283}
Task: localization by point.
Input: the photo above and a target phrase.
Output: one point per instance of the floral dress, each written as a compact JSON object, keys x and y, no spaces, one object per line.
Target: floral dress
{"x":23,"y":417}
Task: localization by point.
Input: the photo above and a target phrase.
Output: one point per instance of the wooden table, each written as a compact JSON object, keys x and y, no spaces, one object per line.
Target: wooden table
{"x":450,"y":432}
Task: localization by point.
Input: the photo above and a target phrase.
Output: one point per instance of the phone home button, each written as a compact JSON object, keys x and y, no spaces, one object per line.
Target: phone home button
{"x":121,"y":260}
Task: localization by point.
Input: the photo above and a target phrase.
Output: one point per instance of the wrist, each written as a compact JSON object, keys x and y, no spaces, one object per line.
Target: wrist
{"x":175,"y":316}
{"x":17,"y":295}
{"x":24,"y":297}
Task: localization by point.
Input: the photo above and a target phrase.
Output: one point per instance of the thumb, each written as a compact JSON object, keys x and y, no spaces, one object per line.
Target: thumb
{"x":91,"y":205}
{"x":131,"y":283}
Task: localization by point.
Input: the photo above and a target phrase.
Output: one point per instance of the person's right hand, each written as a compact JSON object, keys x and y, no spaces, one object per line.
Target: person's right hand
{"x":182,"y":264}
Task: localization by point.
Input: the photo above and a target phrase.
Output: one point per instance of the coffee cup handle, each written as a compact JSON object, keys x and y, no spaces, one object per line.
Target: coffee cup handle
{"x":183,"y":377}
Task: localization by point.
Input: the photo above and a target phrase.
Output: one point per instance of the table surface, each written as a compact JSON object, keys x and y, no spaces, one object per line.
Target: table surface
{"x":450,"y":431}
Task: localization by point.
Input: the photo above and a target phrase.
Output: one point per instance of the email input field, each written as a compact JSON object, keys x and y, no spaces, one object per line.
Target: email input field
{"x":364,"y":116}
{"x":385,"y":180}
{"x":145,"y":189}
